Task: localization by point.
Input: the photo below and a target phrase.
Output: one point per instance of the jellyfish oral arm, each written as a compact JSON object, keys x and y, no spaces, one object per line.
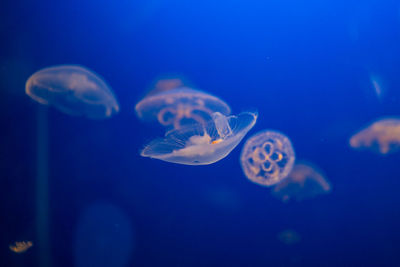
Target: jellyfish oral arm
{"x":222,"y":125}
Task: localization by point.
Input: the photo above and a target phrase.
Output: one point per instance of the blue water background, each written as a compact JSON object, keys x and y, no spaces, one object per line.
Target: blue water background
{"x":306,"y":66}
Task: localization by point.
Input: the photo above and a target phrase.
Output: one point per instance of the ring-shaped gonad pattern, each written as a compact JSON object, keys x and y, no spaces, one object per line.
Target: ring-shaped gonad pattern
{"x":267,"y":158}
{"x":174,"y":115}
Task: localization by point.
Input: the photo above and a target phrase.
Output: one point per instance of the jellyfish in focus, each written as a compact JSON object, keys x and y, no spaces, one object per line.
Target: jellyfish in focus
{"x":200,"y":144}
{"x":289,"y":237}
{"x":267,"y":157}
{"x":73,"y":90}
{"x":20,"y":247}
{"x":304,"y":181}
{"x":178,"y":107}
{"x":382,"y":136}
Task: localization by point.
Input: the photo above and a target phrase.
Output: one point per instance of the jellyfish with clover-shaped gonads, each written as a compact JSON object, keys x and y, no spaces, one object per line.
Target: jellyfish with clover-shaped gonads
{"x":178,"y":107}
{"x":267,"y":157}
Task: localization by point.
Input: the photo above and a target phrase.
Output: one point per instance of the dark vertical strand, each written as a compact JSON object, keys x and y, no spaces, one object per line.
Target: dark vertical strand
{"x":42,"y":187}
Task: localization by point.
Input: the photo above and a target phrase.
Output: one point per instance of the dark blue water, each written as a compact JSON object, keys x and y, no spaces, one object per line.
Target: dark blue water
{"x":306,"y":66}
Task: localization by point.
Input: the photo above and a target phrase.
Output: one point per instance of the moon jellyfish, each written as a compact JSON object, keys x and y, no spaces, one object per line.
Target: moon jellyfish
{"x":104,"y":237}
{"x":167,"y":84}
{"x":304,"y":181}
{"x":20,"y":247}
{"x":178,"y":107}
{"x":200,"y":144}
{"x":267,"y":158}
{"x":289,"y":237}
{"x":74,"y":90}
{"x":382,"y":136}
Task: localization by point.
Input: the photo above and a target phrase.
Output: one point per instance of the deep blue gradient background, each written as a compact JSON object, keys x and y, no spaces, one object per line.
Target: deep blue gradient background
{"x":306,"y":66}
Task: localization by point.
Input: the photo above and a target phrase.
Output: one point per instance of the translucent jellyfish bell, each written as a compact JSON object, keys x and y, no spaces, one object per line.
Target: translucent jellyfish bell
{"x":73,"y":90}
{"x":382,"y":136}
{"x":200,"y":144}
{"x":304,"y":181}
{"x":267,"y":158}
{"x":178,"y":107}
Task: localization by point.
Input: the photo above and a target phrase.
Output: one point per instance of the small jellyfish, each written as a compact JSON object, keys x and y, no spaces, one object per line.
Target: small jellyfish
{"x":181,"y":106}
{"x":267,"y":158}
{"x":73,"y":90}
{"x":199,"y":144}
{"x":382,"y":136}
{"x":21,"y":247}
{"x":289,"y":237}
{"x":304,"y":181}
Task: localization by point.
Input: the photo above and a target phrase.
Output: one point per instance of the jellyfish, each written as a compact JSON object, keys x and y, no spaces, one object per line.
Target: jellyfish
{"x":382,"y":136}
{"x":20,"y":247}
{"x":74,"y":90}
{"x":167,"y":84}
{"x":104,"y":237}
{"x":267,"y":157}
{"x":200,"y":144}
{"x":304,"y":181}
{"x":289,"y":237}
{"x":175,"y":108}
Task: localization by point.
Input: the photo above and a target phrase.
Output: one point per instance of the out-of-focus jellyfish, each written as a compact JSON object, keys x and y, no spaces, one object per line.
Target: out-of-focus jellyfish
{"x":163,"y":85}
{"x":199,"y":144}
{"x":267,"y":157}
{"x":178,"y":107}
{"x":74,"y":90}
{"x":289,"y":237}
{"x":224,"y":199}
{"x":21,"y":247}
{"x":104,"y":237}
{"x":304,"y":181}
{"x":382,"y":136}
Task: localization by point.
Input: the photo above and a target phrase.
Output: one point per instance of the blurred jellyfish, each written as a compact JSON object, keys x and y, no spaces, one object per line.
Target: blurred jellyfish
{"x":267,"y":158}
{"x":200,"y":144}
{"x":304,"y":181}
{"x":224,"y":199}
{"x":289,"y":237}
{"x":74,"y":90}
{"x":103,"y":237}
{"x":21,"y":247}
{"x":178,"y":107}
{"x":163,"y":85}
{"x":382,"y":136}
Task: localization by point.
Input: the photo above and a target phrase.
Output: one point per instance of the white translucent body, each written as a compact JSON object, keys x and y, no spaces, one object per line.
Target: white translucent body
{"x":222,"y":125}
{"x":304,"y":181}
{"x":178,"y":107}
{"x":73,"y":90}
{"x":202,"y":144}
{"x":267,"y":157}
